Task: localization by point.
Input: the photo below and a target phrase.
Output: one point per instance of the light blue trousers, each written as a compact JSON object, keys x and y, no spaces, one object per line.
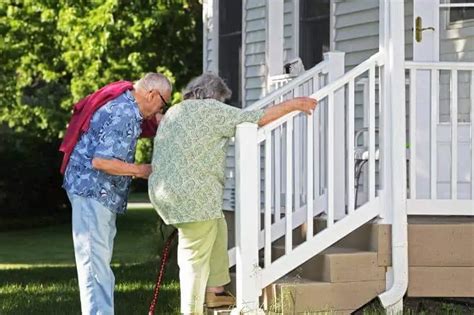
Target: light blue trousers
{"x":93,"y":232}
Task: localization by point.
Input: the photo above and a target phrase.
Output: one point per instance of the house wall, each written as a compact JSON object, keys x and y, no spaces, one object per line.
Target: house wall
{"x":290,"y":31}
{"x":210,"y":35}
{"x":254,"y":48}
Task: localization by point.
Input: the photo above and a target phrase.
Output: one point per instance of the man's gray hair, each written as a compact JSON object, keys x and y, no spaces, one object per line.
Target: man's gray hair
{"x":154,"y":81}
{"x":207,"y":85}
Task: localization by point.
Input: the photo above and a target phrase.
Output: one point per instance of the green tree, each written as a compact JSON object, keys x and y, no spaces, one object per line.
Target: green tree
{"x":54,"y":52}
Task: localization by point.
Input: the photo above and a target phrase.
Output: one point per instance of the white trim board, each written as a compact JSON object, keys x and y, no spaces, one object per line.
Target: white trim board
{"x":440,"y":207}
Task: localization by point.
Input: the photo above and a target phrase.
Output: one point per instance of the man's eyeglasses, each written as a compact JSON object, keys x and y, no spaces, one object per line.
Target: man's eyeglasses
{"x":163,"y":100}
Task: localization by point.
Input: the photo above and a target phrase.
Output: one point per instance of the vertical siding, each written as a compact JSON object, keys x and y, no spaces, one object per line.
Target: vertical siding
{"x":254,"y":77}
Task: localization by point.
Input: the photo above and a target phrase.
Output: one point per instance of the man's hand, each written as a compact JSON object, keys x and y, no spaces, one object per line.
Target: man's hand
{"x":117,"y":167}
{"x":143,"y":171}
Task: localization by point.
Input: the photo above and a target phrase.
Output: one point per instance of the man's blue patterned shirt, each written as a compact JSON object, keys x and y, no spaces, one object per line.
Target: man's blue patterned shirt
{"x":113,"y":133}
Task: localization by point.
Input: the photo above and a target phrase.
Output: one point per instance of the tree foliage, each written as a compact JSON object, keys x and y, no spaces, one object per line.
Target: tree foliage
{"x":54,"y":52}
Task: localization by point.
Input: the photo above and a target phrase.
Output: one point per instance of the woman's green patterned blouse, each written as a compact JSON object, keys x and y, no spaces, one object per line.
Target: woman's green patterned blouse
{"x":187,"y":183}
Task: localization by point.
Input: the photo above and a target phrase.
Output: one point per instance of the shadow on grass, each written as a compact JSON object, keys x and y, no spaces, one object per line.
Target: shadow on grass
{"x":54,"y":290}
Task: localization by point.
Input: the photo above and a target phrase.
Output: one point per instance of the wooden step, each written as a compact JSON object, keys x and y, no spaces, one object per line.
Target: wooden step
{"x":441,"y":242}
{"x":289,"y":297}
{"x":441,"y":282}
{"x":347,"y":265}
{"x":217,"y":311}
{"x":339,"y":265}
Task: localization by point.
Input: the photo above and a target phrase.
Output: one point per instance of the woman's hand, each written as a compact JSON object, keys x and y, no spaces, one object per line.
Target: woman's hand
{"x":304,"y":104}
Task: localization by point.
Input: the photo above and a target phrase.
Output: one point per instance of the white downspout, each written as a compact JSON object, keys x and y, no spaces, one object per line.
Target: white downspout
{"x":393,"y":45}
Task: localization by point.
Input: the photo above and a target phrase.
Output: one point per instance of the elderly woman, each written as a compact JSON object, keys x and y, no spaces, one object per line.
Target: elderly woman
{"x":187,"y":183}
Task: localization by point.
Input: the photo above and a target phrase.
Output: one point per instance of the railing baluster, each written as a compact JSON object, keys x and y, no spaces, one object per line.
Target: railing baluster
{"x":472,"y":134}
{"x":289,"y":188}
{"x":350,"y":149}
{"x":309,"y":177}
{"x":268,"y":199}
{"x":317,"y":152}
{"x":454,"y":134}
{"x":434,"y":130}
{"x":297,"y":157}
{"x":372,"y":183}
{"x":413,"y":83}
{"x":330,"y":159}
{"x":277,"y":187}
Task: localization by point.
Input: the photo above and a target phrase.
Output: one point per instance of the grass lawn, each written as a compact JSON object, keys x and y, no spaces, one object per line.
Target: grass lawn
{"x":38,"y":276}
{"x":37,"y":273}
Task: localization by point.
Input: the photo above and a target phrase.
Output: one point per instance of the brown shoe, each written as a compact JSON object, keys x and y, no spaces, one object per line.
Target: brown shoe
{"x":219,"y":299}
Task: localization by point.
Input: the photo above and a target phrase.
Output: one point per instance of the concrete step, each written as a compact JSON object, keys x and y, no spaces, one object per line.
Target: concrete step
{"x":311,"y":297}
{"x":337,"y":264}
{"x":441,"y":242}
{"x":441,"y":282}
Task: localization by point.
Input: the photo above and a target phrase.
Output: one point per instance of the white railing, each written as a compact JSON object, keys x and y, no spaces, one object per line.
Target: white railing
{"x":299,"y":181}
{"x":306,"y":83}
{"x":441,"y":138}
{"x":277,"y":81}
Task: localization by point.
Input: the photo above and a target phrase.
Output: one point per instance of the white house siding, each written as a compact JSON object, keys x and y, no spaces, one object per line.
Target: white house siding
{"x":254,"y":46}
{"x":254,"y":77}
{"x":356,"y":29}
{"x":210,"y":29}
{"x":289,"y":40}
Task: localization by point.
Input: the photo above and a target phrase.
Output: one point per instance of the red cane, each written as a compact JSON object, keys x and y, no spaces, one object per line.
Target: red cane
{"x":159,"y":279}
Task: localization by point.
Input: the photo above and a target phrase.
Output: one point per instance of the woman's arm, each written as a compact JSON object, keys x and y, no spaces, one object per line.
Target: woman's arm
{"x":304,"y":104}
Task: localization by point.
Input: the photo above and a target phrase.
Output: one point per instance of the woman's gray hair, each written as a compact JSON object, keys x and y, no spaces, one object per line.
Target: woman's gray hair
{"x":207,"y":85}
{"x":154,"y":81}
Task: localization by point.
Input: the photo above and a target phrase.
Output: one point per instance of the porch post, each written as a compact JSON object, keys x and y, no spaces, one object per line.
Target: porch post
{"x":247,"y":218}
{"x":394,"y":152}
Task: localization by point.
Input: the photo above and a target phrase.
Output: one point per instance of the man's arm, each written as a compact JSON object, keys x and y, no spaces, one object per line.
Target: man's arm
{"x":117,"y":167}
{"x":304,"y":104}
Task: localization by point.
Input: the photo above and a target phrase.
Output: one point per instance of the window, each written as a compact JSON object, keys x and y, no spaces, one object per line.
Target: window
{"x":461,"y":14}
{"x":314,"y":31}
{"x":230,"y":45}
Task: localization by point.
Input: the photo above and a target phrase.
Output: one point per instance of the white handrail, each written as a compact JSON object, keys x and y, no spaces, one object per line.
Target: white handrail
{"x":376,"y":59}
{"x":295,"y":159}
{"x":320,"y":67}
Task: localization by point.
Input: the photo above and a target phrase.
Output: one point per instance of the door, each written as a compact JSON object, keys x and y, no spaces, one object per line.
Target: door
{"x":425,"y":48}
{"x":429,"y":26}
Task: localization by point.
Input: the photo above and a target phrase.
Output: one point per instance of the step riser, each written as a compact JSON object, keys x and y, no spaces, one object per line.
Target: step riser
{"x":338,"y":267}
{"x":352,"y":267}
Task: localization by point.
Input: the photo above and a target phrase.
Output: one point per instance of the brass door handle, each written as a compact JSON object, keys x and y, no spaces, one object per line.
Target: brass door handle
{"x":419,"y":29}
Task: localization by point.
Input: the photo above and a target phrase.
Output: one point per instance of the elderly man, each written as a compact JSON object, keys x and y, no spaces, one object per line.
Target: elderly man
{"x":98,"y":175}
{"x":187,"y":183}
